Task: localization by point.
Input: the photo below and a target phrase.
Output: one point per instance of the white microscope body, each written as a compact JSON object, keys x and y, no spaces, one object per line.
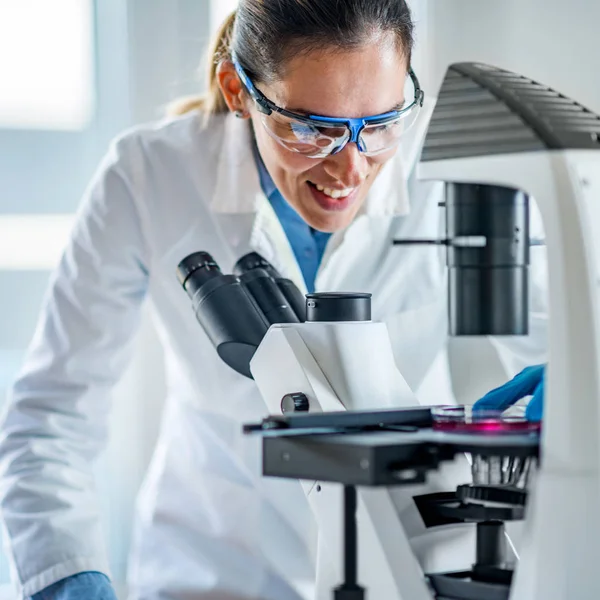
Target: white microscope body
{"x":329,"y":362}
{"x":349,"y":366}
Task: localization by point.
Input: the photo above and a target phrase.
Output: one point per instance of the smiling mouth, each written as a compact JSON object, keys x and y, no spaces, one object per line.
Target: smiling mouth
{"x":333,"y":193}
{"x":333,"y":201}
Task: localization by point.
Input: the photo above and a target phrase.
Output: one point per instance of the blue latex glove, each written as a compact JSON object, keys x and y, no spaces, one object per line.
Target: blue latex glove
{"x":90,"y":585}
{"x":529,"y":382}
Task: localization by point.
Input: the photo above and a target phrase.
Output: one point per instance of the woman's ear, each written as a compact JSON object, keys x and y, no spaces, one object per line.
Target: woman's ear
{"x":231,"y":88}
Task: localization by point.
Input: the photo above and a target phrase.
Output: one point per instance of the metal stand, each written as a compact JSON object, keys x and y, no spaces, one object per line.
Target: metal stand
{"x":491,"y":545}
{"x":350,"y":590}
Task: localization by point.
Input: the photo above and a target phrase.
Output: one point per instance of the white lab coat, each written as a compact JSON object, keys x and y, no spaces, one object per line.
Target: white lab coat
{"x":208,"y":525}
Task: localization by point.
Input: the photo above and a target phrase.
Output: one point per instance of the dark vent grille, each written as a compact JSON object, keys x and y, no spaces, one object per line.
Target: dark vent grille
{"x":485,"y":110}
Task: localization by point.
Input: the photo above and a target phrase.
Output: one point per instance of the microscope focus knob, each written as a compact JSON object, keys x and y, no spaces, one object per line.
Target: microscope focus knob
{"x":294,"y":403}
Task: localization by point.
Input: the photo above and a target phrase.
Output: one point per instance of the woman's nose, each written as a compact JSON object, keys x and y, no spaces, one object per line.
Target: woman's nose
{"x":348,"y":166}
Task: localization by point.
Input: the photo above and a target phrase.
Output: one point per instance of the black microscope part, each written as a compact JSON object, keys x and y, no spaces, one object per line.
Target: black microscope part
{"x":253,"y":260}
{"x":269,"y":297}
{"x":328,"y":307}
{"x":294,"y":403}
{"x":199,"y":264}
{"x":294,"y":297}
{"x":488,"y":292}
{"x":225,"y":309}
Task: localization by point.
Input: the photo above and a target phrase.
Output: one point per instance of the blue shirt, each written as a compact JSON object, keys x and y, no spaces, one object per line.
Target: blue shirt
{"x":308,"y":244}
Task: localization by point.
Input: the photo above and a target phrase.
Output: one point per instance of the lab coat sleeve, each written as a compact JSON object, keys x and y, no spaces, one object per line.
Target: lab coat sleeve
{"x":518,"y":352}
{"x":55,"y":423}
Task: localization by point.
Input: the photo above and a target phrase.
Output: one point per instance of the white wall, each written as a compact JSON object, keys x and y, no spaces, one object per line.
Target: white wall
{"x":553,"y":41}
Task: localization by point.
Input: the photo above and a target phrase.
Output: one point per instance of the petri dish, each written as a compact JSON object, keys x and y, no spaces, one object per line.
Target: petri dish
{"x":463,"y":419}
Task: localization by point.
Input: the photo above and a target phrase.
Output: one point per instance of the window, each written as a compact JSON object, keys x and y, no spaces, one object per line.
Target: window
{"x":219,"y":10}
{"x":32,"y":242}
{"x":46,"y":74}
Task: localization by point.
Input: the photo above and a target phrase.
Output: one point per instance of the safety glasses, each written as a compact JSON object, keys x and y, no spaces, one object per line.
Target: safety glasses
{"x":316,"y":136}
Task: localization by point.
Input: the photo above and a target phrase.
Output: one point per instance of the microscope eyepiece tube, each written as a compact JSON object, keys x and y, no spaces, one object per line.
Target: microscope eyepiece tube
{"x":488,"y":283}
{"x":195,"y":270}
{"x":293,"y":296}
{"x":268,"y":296}
{"x":225,"y":309}
{"x":253,"y":260}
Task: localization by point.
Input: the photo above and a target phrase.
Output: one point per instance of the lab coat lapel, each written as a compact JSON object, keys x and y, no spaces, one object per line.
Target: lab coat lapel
{"x":237,"y":189}
{"x":270,"y":241}
{"x":243,"y":212}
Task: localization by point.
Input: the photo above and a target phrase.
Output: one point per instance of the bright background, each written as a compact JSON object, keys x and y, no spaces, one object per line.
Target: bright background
{"x":74,"y":73}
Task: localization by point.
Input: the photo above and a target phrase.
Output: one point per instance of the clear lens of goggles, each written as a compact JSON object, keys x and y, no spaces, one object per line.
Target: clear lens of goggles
{"x":316,"y":141}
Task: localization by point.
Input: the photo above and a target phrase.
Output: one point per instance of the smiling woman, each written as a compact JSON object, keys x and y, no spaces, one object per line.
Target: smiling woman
{"x":327,"y":105}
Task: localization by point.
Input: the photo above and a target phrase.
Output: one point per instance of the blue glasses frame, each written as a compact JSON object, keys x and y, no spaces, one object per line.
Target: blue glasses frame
{"x":355,"y":125}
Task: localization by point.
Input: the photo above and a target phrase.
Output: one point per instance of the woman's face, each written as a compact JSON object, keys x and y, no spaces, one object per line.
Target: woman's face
{"x":365,"y":82}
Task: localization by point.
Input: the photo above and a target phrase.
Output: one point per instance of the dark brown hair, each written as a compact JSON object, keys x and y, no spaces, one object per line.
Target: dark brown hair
{"x":264,"y":34}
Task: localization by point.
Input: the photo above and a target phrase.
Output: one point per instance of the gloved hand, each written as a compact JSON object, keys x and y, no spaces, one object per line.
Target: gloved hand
{"x":529,"y":382}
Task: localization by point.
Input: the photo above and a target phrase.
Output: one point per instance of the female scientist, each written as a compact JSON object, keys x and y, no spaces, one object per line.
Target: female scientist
{"x":252,"y":166}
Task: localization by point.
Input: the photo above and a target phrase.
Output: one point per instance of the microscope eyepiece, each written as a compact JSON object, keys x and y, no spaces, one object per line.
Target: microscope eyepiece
{"x":253,"y":260}
{"x":248,"y":268}
{"x":236,"y":311}
{"x":195,"y":270}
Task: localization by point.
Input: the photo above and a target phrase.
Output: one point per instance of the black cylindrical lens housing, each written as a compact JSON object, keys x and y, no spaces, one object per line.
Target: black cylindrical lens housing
{"x":293,"y":296}
{"x":328,"y":307}
{"x":268,"y":296}
{"x":296,"y":299}
{"x":253,"y":260}
{"x":488,"y":284}
{"x":225,"y":309}
{"x":195,"y":270}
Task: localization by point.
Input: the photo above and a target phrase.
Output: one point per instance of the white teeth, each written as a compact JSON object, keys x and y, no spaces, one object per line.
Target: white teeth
{"x":334,"y":193}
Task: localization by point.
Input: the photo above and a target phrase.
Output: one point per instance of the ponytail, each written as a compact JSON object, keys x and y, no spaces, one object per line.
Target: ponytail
{"x":212,"y":102}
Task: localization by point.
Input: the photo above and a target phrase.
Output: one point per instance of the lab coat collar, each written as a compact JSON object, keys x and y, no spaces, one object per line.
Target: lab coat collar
{"x":238,"y":195}
{"x":238,"y":188}
{"x":388,"y":196}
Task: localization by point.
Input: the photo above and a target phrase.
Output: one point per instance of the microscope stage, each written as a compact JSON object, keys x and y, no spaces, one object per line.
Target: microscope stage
{"x":382,"y":457}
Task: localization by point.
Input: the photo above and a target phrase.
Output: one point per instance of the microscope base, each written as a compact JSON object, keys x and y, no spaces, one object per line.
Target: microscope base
{"x":462,"y":586}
